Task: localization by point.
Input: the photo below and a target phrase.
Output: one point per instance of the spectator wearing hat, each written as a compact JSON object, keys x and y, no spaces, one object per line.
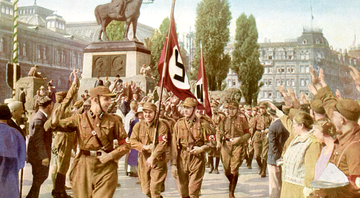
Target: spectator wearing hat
{"x":217,"y":118}
{"x":132,"y":161}
{"x":192,"y":137}
{"x":127,"y":122}
{"x":78,"y":107}
{"x":231,"y":136}
{"x":98,"y":82}
{"x":345,"y":115}
{"x":317,"y":110}
{"x":260,"y":127}
{"x":63,"y":142}
{"x":12,"y":155}
{"x":277,"y":136}
{"x":16,"y":109}
{"x":102,"y":142}
{"x":152,"y":168}
{"x":39,"y":147}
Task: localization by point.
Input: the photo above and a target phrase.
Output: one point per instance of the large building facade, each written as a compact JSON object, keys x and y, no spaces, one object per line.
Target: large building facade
{"x":46,"y":40}
{"x":287,"y":64}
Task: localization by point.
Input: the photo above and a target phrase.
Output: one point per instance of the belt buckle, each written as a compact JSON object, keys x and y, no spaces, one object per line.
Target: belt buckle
{"x":93,"y":153}
{"x":93,"y":133}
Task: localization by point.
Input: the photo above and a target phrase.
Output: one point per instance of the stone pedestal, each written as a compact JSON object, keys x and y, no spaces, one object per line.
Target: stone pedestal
{"x":30,"y":86}
{"x":108,"y":59}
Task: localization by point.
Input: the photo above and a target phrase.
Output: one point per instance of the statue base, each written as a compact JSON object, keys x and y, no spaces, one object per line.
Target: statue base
{"x":30,"y":86}
{"x":108,"y":59}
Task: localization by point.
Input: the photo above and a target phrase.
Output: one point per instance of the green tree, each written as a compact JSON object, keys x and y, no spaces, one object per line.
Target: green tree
{"x":157,"y":44}
{"x":115,"y":30}
{"x":245,"y":58}
{"x":212,"y":31}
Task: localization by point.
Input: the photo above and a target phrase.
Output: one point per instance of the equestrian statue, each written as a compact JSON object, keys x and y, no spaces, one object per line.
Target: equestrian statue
{"x":120,"y":10}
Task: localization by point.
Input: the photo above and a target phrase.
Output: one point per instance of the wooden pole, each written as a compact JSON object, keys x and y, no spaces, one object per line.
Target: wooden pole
{"x":164,"y":70}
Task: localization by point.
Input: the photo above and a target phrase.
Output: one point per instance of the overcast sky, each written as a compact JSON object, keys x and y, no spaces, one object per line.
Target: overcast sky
{"x":276,"y":19}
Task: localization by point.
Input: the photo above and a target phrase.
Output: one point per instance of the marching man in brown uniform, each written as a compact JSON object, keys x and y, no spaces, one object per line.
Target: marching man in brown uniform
{"x":152,"y":168}
{"x":217,"y":118}
{"x":231,"y":136}
{"x":192,"y":137}
{"x":261,"y":125}
{"x":102,"y":141}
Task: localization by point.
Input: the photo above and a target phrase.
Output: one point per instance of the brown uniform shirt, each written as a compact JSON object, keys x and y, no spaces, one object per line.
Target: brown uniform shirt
{"x":195,"y":132}
{"x":346,"y":153}
{"x":108,"y":129}
{"x":143,"y":134}
{"x":261,"y":122}
{"x":232,"y":127}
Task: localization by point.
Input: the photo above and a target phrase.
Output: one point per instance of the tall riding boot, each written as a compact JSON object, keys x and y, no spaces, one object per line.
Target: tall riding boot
{"x":258,"y":160}
{"x":230,"y":176}
{"x":59,"y":190}
{"x":250,"y":159}
{"x":217,"y":161}
{"x":233,"y":186}
{"x":263,"y":168}
{"x":53,"y":178}
{"x":211,"y":162}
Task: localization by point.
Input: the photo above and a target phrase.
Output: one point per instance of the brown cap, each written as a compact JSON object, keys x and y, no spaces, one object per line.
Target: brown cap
{"x":233,"y":104}
{"x":317,"y":106}
{"x":247,"y":107}
{"x":350,"y":109}
{"x":262,"y":106}
{"x":149,"y":106}
{"x":293,"y":112}
{"x":60,"y":95}
{"x":78,"y":104}
{"x":101,"y":91}
{"x":36,"y":65}
{"x":44,"y":100}
{"x":190,"y":102}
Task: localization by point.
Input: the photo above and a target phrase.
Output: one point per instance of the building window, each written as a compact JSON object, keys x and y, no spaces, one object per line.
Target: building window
{"x":24,"y":49}
{"x":270,"y":58}
{"x":265,"y":70}
{"x":278,"y":94}
{"x":44,"y":53}
{"x":288,"y":83}
{"x":290,"y":57}
{"x":39,"y":52}
{"x":1,"y":44}
{"x":277,"y":82}
{"x":304,"y":41}
{"x":270,"y":70}
{"x":270,"y":82}
{"x":306,"y":69}
{"x":292,"y":82}
{"x":282,"y":69}
{"x":306,"y":82}
{"x":270,"y":94}
{"x":302,"y":69}
{"x":282,"y":81}
{"x":2,"y":9}
{"x":302,"y":82}
{"x":302,"y":56}
{"x":234,"y":83}
{"x":317,"y":41}
{"x":307,"y":56}
{"x":266,"y":94}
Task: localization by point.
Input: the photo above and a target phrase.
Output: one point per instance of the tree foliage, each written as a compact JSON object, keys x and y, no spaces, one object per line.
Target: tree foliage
{"x":156,"y":45}
{"x":245,"y":62}
{"x":212,"y":30}
{"x":115,"y":30}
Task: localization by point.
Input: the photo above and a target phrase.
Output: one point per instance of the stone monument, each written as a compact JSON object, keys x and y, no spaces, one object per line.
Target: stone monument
{"x":108,"y":59}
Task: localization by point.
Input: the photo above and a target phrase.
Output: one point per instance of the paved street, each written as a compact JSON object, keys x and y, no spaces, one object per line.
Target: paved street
{"x":214,"y":185}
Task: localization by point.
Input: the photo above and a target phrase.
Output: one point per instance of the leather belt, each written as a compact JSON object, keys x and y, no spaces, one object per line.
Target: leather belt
{"x":91,"y":153}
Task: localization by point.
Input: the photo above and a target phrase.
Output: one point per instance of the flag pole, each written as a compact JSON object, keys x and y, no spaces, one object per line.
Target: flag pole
{"x":164,"y":70}
{"x":202,"y":73}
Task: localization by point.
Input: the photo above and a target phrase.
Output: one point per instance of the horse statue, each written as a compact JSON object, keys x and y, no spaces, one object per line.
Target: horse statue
{"x":105,"y":13}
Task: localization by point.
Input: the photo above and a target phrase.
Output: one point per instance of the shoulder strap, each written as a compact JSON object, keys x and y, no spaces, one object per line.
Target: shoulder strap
{"x":338,"y":163}
{"x":93,"y":132}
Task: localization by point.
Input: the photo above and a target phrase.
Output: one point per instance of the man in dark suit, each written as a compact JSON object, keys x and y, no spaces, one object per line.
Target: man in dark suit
{"x":277,"y":137}
{"x":39,"y":148}
{"x":16,"y":109}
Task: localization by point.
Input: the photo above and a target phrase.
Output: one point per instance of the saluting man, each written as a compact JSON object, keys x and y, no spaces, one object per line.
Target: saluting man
{"x":102,"y":141}
{"x":191,"y":138}
{"x":231,"y":137}
{"x":152,"y":168}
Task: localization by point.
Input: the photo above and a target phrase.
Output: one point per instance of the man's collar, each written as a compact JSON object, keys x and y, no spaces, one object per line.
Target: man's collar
{"x":46,"y":115}
{"x":14,"y":120}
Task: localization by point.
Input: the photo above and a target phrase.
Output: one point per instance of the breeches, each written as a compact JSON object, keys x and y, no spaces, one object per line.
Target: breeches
{"x":151,"y":179}
{"x":191,"y":169}
{"x":90,"y":178}
{"x":232,"y":157}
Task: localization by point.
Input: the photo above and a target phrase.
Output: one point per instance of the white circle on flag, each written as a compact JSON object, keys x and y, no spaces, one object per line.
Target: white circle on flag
{"x":178,"y":71}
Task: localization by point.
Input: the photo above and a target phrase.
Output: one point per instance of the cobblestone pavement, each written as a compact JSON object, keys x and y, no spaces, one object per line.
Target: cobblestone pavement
{"x":250,"y":184}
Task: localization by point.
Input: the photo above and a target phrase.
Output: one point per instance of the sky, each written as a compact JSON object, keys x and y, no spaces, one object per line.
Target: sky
{"x":276,"y":20}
